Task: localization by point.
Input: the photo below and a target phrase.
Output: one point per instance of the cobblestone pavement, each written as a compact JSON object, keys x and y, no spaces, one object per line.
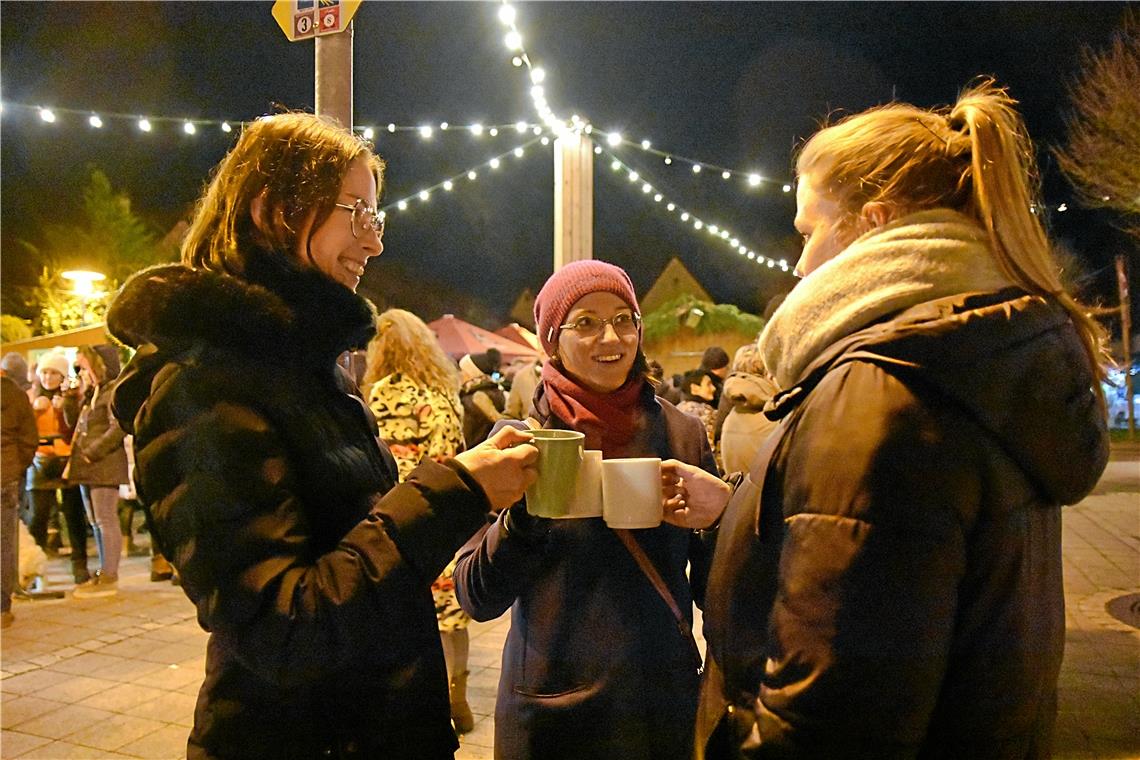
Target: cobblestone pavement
{"x":117,"y":677}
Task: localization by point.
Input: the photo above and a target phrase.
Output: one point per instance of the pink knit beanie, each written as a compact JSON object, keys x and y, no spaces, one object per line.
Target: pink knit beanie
{"x":567,"y":285}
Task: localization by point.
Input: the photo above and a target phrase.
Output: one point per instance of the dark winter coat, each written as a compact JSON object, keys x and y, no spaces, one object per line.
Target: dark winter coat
{"x":18,"y":434}
{"x":309,"y":566}
{"x":97,"y":454}
{"x":594,"y":665}
{"x":887,"y":583}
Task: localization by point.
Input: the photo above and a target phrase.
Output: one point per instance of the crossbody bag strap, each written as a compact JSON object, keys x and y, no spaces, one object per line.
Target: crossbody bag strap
{"x":658,"y":583}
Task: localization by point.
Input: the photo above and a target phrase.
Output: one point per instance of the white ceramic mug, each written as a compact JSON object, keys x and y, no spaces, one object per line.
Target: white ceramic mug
{"x":631,"y":492}
{"x":586,"y":501}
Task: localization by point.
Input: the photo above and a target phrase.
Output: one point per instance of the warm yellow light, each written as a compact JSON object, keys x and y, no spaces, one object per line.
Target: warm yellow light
{"x":83,"y":281}
{"x":507,"y":14}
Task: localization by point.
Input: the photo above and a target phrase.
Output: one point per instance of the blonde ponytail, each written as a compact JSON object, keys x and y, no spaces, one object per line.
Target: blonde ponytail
{"x":975,"y":158}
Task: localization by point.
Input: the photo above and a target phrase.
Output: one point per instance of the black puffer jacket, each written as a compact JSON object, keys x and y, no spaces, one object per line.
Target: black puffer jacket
{"x":308,"y":565}
{"x":887,"y":583}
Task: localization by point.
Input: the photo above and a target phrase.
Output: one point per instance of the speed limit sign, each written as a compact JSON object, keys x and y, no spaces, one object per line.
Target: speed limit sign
{"x":302,"y":19}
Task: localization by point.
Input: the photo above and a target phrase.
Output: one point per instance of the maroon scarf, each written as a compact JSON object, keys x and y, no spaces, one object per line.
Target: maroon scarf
{"x":609,"y":420}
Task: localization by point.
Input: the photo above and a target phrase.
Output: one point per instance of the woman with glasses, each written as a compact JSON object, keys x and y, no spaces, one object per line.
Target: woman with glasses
{"x":270,"y":493}
{"x":596,"y":664}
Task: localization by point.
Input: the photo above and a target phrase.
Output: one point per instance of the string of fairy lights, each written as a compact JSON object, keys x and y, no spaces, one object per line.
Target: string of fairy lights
{"x":192,"y":126}
{"x":468,"y":175}
{"x":513,"y":39}
{"x":689,"y":218}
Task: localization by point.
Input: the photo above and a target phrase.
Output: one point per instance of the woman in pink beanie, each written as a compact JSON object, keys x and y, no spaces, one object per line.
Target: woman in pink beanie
{"x":595,"y":664}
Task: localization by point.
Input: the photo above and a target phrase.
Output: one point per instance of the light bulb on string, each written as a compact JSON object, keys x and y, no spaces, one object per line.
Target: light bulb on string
{"x":368,"y":133}
{"x":188,"y":127}
{"x":613,"y":139}
{"x":471,"y":175}
{"x":144,"y":125}
{"x":226,"y":127}
{"x":476,"y":129}
{"x":725,"y":175}
{"x":696,"y":168}
{"x":391,"y":127}
{"x":518,"y":152}
{"x":615,"y":165}
{"x":493,"y":163}
{"x":657,"y":198}
{"x":448,"y":185}
{"x":597,"y":150}
{"x":507,"y":14}
{"x":402,"y":205}
{"x":546,"y":141}
{"x":513,"y":40}
{"x":95,"y":121}
{"x":668,"y":160}
{"x":493,"y":131}
{"x":647,"y":188}
{"x":787,"y":188}
{"x":443,"y":126}
{"x":537,"y":75}
{"x":424,"y":195}
{"x":671,"y":206}
{"x":47,"y":115}
{"x":520,"y":126}
{"x":425,"y":132}
{"x":645,"y":144}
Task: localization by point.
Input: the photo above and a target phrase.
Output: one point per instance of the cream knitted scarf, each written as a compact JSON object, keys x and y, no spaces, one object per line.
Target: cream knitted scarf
{"x":918,"y":258}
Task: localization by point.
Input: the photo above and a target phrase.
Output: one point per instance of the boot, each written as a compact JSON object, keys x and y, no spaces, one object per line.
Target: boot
{"x":461,"y":714}
{"x":160,"y":569}
{"x":80,"y":572}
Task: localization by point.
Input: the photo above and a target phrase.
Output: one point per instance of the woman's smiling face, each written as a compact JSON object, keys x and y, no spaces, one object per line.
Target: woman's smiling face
{"x":598,"y":362}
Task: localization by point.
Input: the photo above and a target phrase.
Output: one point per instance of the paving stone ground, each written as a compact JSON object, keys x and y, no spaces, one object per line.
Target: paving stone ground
{"x":117,"y":677}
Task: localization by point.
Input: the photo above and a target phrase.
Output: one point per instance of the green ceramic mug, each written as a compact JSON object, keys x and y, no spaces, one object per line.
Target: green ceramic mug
{"x":559,"y":459}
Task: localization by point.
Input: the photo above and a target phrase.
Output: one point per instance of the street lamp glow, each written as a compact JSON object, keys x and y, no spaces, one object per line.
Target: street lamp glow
{"x":95,"y":121}
{"x":188,"y":127}
{"x":46,"y":114}
{"x":83,"y":281}
{"x":507,"y":14}
{"x":613,"y":139}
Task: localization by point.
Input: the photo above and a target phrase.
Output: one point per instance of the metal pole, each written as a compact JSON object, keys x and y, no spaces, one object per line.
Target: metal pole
{"x":1126,"y":339}
{"x":334,"y":76}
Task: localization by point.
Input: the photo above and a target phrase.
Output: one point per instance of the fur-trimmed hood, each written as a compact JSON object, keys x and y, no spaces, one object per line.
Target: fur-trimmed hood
{"x":277,"y":308}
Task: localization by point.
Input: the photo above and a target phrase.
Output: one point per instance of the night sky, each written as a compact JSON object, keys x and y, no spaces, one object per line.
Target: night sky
{"x":738,"y":85}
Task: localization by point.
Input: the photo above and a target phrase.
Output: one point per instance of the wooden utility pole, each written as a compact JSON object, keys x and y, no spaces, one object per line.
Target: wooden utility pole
{"x":1126,"y":339}
{"x":573,"y":199}
{"x":334,"y":76}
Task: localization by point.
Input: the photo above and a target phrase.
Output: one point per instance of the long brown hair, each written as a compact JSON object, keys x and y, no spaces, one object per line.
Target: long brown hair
{"x":404,"y":344}
{"x":295,"y":162}
{"x":974,"y":157}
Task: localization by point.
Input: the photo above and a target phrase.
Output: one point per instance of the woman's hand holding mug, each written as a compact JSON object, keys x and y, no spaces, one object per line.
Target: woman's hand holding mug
{"x":692,"y":497}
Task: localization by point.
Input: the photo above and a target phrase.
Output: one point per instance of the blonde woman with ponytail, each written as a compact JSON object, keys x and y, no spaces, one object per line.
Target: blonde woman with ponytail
{"x":887,"y":579}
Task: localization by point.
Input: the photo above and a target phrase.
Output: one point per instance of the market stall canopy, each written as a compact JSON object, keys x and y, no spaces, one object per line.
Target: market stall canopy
{"x":458,"y":338}
{"x":519,"y":334}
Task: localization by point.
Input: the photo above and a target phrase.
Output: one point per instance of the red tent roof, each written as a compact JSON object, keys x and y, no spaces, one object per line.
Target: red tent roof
{"x":516,"y":332}
{"x":458,"y":338}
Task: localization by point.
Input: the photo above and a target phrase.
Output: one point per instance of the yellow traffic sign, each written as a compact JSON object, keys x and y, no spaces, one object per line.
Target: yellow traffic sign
{"x":304,"y":19}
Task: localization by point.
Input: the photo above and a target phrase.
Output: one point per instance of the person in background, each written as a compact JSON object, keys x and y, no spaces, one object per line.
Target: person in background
{"x":745,"y":428}
{"x":309,"y":564}
{"x":483,"y":400}
{"x":715,"y":362}
{"x":16,"y":369}
{"x":18,"y":441}
{"x":412,"y":388}
{"x":697,"y":392}
{"x":56,"y":405}
{"x":523,"y":385}
{"x":888,"y":581}
{"x":595,"y":663}
{"x":99,"y":466}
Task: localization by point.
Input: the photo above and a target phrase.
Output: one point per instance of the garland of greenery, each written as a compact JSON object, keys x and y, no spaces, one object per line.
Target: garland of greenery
{"x":670,"y":318}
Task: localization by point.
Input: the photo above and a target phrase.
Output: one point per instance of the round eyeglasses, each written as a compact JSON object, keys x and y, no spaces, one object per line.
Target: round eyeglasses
{"x":364,"y":218}
{"x":587,"y":326}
